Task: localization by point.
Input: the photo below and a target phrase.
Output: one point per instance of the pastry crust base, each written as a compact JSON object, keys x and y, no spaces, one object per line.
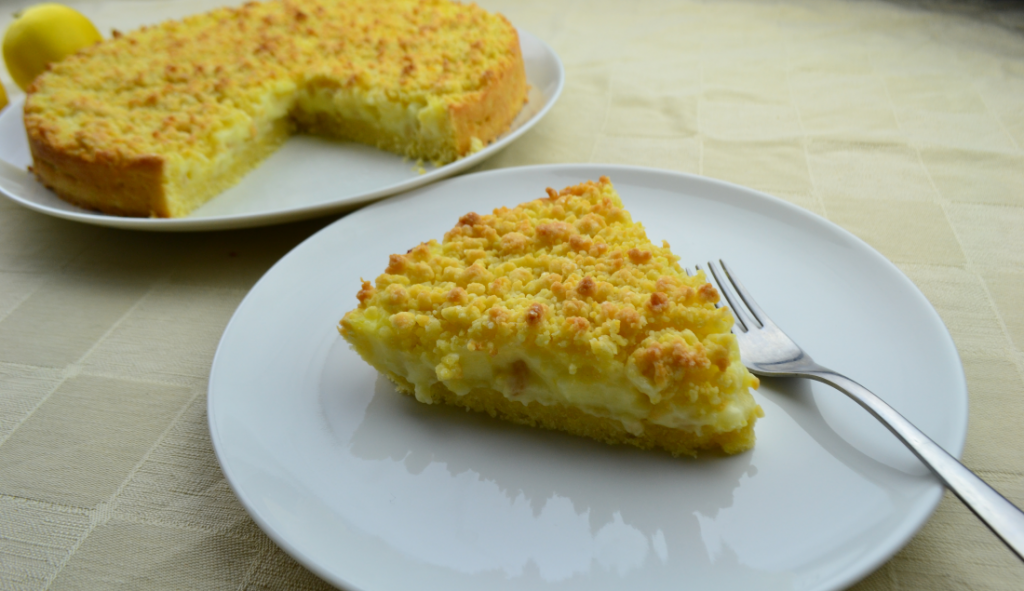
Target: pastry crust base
{"x":556,"y":417}
{"x":112,"y":185}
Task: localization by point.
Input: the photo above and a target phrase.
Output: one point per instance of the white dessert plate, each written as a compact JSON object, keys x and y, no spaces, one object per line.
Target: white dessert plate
{"x":307,"y":177}
{"x":374,"y":491}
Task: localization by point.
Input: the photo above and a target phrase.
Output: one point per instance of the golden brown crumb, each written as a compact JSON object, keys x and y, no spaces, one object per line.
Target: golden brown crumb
{"x":659,"y":301}
{"x":534,"y":314}
{"x":708,"y":292}
{"x":366,"y":292}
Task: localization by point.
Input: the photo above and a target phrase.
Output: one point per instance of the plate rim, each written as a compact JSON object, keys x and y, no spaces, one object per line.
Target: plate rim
{"x":909,"y":527}
{"x":304,"y":212}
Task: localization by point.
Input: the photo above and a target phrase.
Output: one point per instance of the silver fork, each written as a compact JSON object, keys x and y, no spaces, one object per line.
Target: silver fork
{"x":767,"y":351}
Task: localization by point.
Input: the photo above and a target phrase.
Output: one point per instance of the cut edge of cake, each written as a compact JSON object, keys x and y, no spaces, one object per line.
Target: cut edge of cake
{"x":572,"y":420}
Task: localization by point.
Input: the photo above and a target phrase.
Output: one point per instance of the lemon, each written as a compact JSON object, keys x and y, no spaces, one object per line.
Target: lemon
{"x":3,"y":97}
{"x":42,"y":34}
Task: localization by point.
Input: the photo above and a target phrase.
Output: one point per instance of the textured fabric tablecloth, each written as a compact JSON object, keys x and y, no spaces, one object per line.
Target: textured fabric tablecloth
{"x":901,"y":122}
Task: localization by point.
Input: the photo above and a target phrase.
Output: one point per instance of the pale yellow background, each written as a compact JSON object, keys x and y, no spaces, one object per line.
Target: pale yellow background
{"x":904,"y":125}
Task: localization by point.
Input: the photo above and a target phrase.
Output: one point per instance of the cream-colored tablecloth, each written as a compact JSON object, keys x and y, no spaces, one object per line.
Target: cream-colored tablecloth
{"x":903,"y":124}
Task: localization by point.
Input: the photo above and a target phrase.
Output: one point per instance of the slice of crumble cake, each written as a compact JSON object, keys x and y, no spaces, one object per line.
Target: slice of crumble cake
{"x":560,"y":313}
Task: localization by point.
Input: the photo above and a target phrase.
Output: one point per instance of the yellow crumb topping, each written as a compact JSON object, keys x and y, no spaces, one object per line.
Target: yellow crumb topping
{"x":561,"y":300}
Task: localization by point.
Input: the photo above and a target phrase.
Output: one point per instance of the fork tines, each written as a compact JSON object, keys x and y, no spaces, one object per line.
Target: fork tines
{"x":746,"y":311}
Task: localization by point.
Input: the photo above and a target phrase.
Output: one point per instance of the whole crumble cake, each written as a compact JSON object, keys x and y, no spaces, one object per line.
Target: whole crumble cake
{"x":158,"y":121}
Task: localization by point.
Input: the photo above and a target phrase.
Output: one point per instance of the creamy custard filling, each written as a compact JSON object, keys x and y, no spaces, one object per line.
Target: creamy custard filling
{"x":525,"y":377}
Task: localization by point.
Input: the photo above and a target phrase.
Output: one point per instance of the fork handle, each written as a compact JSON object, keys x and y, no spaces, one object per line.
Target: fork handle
{"x":999,"y":514}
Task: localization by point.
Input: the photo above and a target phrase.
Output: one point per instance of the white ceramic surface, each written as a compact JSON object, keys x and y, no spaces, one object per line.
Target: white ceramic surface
{"x":372,"y":490}
{"x":307,"y":177}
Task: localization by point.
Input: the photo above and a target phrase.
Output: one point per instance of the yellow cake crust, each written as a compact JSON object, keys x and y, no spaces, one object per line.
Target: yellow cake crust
{"x":110,"y":183}
{"x":560,"y":417}
{"x":158,"y":121}
{"x":561,"y":313}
